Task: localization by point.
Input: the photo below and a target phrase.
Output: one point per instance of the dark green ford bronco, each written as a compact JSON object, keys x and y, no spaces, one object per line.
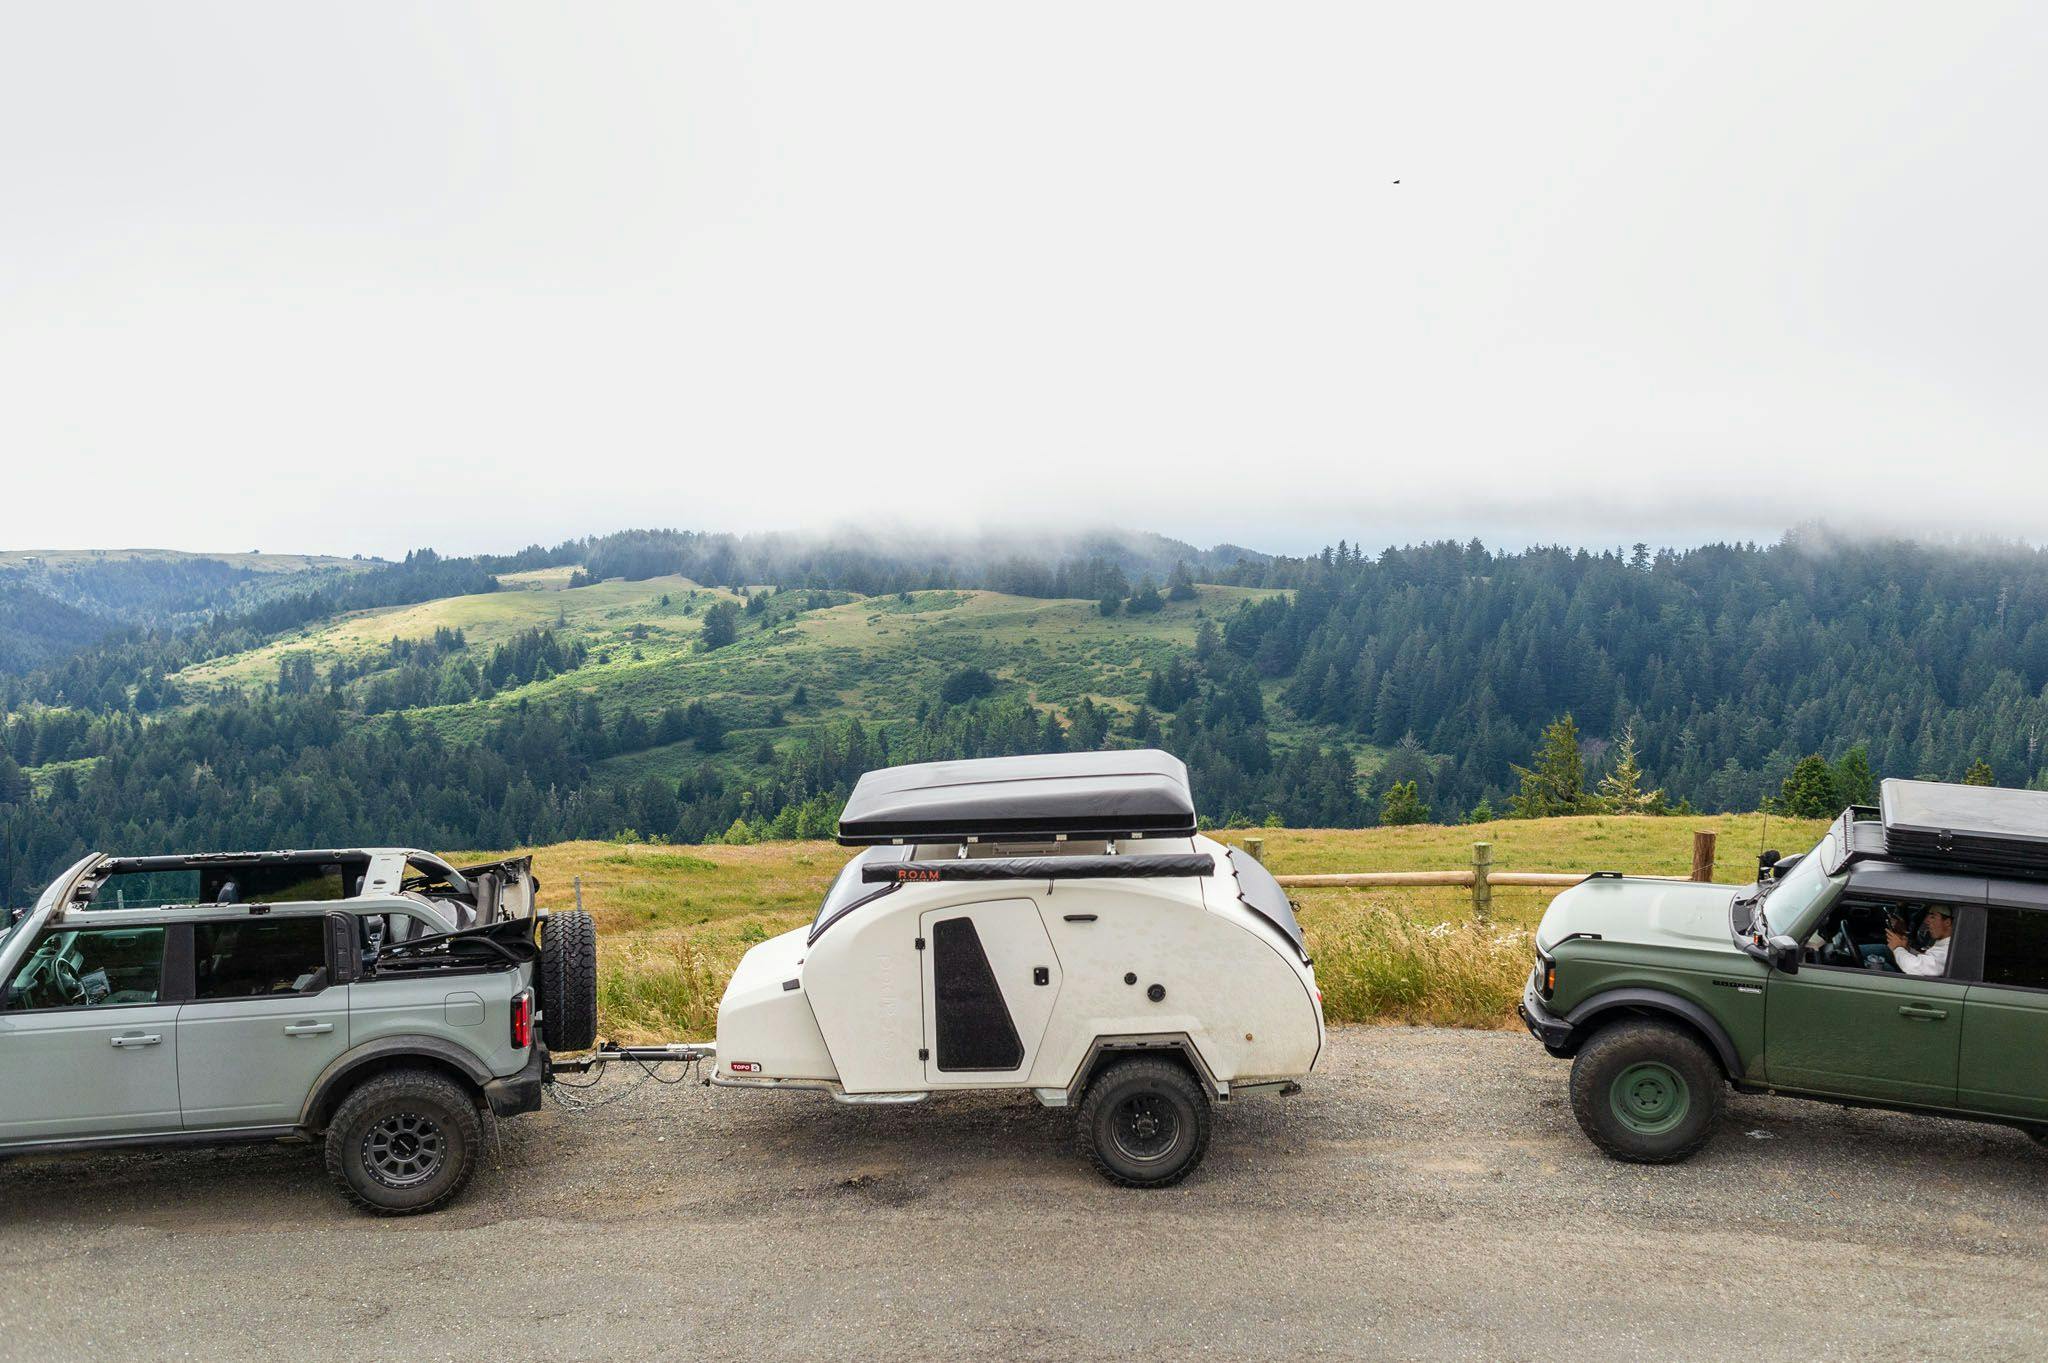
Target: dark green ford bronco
{"x":1902,"y":963}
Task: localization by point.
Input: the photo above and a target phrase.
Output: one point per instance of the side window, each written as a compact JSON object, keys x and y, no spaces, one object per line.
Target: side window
{"x":251,"y":957}
{"x":1889,"y":938}
{"x":2016,"y":948}
{"x":88,"y":968}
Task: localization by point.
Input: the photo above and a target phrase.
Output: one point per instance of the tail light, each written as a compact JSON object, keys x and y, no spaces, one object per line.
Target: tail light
{"x":522,"y":1022}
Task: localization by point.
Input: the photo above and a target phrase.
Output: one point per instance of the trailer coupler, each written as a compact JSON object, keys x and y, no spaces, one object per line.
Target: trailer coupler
{"x":674,"y":1053}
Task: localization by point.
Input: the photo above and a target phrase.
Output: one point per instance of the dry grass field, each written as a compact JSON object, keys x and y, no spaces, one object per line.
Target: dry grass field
{"x":673,"y":921}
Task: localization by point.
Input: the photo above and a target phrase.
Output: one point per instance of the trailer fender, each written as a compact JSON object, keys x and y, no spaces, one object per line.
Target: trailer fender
{"x":1106,"y":1049}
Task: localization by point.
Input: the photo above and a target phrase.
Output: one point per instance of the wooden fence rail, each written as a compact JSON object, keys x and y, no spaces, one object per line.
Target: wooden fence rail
{"x":1480,"y":877}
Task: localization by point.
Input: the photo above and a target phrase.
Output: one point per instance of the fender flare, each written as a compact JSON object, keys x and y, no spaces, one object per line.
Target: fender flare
{"x":348,"y":1063}
{"x":1663,"y":1001}
{"x":1178,"y":1042}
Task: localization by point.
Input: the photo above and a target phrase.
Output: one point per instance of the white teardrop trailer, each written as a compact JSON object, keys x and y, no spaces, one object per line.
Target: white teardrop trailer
{"x":1051,"y":923}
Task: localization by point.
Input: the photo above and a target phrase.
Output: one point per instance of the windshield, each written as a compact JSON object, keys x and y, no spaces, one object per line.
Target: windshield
{"x":1805,"y":892}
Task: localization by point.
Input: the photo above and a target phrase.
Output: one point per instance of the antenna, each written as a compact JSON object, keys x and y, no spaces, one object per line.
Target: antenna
{"x":1763,"y":840}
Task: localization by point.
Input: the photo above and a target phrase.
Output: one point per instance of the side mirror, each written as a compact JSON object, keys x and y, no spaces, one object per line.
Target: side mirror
{"x":1766,"y":865}
{"x":1784,"y":953}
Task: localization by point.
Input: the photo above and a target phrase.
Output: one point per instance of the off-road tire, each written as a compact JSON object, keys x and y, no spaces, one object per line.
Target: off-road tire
{"x":1127,"y":1112}
{"x":366,"y":1153}
{"x":568,"y":981}
{"x":1647,"y":1092}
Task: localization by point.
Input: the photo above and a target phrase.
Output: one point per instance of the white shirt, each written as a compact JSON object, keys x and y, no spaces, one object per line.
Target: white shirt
{"x":1933,"y":961}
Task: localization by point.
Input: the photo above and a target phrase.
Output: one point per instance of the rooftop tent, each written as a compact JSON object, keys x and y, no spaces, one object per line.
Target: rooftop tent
{"x":1143,"y":792}
{"x":1981,"y":828}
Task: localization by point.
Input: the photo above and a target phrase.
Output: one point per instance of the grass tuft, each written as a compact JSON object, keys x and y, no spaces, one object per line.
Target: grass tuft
{"x":666,"y":988}
{"x":1382,"y":966}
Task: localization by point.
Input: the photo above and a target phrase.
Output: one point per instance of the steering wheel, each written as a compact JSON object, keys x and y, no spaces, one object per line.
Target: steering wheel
{"x":1841,"y":949}
{"x":64,"y":979}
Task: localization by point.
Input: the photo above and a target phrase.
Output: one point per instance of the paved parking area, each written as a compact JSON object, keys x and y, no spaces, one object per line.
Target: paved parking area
{"x":1427,"y":1196}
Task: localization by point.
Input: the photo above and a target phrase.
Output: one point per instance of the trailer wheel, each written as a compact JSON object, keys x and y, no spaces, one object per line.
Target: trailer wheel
{"x":568,"y":981}
{"x":1144,"y":1123}
{"x":403,"y":1143}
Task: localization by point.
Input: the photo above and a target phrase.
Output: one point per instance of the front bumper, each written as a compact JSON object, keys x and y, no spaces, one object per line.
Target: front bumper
{"x":1547,"y":1027}
{"x":517,"y":1093}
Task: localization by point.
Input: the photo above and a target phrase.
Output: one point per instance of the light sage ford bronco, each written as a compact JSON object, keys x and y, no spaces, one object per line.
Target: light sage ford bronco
{"x":1902,"y":963}
{"x":378,"y":999}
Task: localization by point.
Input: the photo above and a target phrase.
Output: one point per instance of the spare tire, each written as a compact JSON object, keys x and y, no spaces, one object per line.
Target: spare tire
{"x":568,"y":981}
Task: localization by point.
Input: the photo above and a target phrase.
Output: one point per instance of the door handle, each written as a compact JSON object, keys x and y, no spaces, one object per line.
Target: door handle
{"x":130,"y":1039}
{"x":308,"y":1028}
{"x":1922,"y":1013}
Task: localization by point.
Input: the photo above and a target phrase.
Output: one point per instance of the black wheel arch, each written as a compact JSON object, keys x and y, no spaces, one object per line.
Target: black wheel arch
{"x":1603,"y":1008}
{"x":389,"y":1053}
{"x":1170,"y":1046}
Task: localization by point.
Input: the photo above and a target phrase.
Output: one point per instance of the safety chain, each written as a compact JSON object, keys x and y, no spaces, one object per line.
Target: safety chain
{"x":562,"y":1092}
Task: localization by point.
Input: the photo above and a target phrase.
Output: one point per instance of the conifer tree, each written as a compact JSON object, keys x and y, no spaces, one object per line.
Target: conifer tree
{"x":1810,"y":792}
{"x":1146,"y":599}
{"x":1621,"y":790}
{"x":1855,"y":783}
{"x":1402,"y":804}
{"x":1979,"y":774}
{"x":1556,"y":783}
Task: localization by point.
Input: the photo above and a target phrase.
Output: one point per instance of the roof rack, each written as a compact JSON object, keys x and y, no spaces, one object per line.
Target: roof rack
{"x":1140,"y":793}
{"x":1989,"y":830}
{"x":1041,"y":868}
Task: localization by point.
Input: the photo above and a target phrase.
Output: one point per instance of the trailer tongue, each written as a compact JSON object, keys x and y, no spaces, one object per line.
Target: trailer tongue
{"x":673,"y":1053}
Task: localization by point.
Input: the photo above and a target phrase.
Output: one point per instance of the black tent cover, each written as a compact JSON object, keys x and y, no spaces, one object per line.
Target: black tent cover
{"x":1985,"y":828}
{"x":1140,"y":792}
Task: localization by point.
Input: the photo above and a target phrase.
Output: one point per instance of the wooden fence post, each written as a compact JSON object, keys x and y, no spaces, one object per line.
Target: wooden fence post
{"x":1703,"y":854}
{"x":1256,"y":849}
{"x":1482,"y":886}
{"x":579,"y":893}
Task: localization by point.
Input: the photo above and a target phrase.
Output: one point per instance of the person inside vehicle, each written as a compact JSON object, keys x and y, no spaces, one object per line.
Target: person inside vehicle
{"x":1939,"y":923}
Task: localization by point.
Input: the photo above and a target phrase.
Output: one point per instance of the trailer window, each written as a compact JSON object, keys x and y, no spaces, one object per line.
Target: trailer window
{"x":1264,"y":896}
{"x":849,"y":891}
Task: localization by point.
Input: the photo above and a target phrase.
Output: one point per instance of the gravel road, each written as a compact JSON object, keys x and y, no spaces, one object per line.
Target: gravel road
{"x":1427,"y":1196}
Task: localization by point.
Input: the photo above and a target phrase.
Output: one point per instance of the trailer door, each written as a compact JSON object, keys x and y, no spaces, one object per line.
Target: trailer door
{"x":990,"y":979}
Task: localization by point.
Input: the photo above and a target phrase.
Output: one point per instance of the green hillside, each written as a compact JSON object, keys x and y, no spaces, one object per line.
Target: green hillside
{"x":873,"y":658}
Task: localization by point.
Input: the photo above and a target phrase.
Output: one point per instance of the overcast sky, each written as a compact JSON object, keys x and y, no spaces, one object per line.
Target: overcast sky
{"x":359,"y":277}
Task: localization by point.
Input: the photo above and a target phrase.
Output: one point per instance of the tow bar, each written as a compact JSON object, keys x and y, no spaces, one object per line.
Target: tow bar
{"x":674,"y":1053}
{"x":649,"y":1059}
